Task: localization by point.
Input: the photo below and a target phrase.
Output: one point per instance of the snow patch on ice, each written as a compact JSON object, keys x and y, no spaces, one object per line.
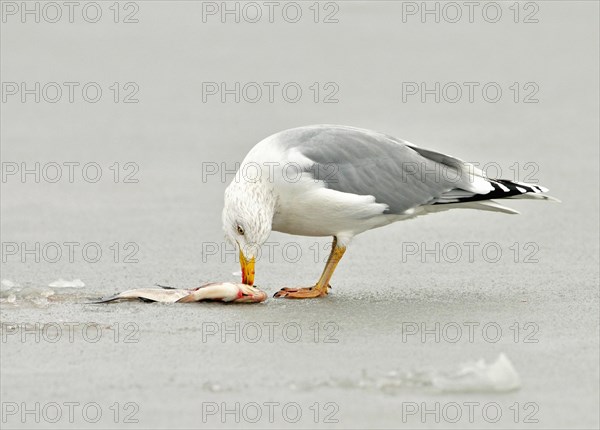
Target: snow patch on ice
{"x":497,"y":376}
{"x":9,"y":284}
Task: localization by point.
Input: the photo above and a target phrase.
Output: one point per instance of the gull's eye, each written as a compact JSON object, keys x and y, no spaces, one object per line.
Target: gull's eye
{"x":240,"y":230}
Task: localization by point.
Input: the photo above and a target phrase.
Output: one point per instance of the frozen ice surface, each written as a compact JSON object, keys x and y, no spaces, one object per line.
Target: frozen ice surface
{"x":164,"y":358}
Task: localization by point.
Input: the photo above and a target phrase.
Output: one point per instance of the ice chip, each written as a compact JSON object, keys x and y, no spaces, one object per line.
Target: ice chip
{"x":498,"y":376}
{"x":8,"y":283}
{"x":62,"y":283}
{"x":11,"y":298}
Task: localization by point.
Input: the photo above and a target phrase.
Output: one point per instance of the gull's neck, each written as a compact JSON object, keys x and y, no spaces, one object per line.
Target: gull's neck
{"x":259,"y":197}
{"x":262,"y":194}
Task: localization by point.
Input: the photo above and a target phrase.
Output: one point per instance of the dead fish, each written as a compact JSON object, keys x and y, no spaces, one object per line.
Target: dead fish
{"x":217,"y":291}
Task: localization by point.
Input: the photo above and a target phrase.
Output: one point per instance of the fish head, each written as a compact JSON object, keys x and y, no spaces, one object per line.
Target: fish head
{"x":249,"y":294}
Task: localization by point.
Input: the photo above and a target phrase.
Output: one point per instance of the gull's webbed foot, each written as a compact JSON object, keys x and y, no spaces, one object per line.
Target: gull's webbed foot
{"x":302,"y":293}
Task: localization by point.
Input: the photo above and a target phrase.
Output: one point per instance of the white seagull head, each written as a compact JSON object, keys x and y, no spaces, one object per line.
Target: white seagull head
{"x":247,"y":219}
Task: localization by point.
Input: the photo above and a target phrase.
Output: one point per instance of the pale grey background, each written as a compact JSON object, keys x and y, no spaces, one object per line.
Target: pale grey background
{"x":171,"y":212}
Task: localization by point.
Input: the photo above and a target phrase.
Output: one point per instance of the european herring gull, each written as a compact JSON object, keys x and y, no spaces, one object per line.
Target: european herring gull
{"x":332,"y":180}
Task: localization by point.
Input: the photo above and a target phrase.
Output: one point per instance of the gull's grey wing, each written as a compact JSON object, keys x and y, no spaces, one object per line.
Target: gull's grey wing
{"x":396,"y":173}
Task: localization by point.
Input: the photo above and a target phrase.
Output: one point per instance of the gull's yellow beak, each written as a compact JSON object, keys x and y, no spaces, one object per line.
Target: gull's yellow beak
{"x":247,"y":269}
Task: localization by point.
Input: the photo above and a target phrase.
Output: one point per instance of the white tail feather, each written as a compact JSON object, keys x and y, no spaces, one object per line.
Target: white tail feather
{"x":482,"y":205}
